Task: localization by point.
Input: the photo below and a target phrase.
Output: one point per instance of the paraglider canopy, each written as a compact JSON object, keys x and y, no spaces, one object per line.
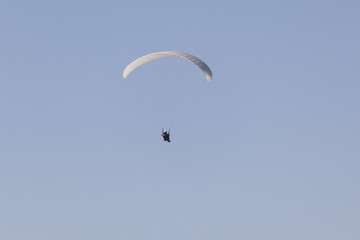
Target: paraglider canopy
{"x":140,"y":61}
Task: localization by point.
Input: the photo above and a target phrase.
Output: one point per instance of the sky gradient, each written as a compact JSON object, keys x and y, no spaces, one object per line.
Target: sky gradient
{"x":270,"y":149}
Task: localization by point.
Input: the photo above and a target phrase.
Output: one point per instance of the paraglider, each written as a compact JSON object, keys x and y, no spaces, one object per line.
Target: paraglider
{"x":166,"y":135}
{"x":144,"y":59}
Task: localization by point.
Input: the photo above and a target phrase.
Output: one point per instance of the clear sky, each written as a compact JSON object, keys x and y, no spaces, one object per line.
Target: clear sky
{"x":270,"y":149}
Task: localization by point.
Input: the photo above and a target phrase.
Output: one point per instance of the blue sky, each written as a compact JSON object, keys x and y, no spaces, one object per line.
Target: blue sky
{"x":268,"y":150}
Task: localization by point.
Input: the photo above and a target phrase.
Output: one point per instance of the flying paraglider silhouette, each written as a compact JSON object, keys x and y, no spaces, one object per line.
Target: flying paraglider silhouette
{"x":147,"y":58}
